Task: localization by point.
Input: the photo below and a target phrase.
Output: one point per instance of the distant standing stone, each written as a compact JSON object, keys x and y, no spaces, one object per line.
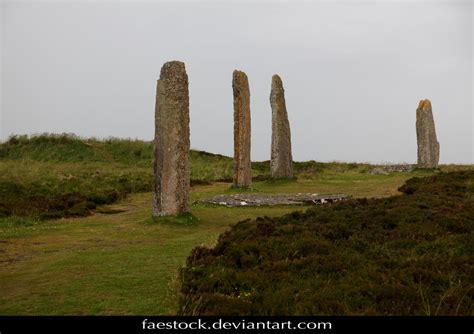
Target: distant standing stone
{"x":242,"y":167}
{"x":171,"y":165}
{"x":281,"y":163}
{"x":428,"y":146}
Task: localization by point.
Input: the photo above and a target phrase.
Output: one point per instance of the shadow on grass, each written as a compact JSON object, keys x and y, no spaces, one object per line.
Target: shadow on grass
{"x":184,"y":219}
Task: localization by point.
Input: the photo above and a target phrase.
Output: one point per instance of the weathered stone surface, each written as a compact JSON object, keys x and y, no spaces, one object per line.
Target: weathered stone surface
{"x":242,"y":167}
{"x":171,"y":165}
{"x":428,"y":146}
{"x":274,"y":199}
{"x":281,"y":163}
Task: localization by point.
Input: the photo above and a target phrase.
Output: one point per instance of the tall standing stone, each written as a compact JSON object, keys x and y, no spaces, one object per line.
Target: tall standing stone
{"x":428,"y":146}
{"x":171,"y":165}
{"x":281,"y":163}
{"x":242,"y":167}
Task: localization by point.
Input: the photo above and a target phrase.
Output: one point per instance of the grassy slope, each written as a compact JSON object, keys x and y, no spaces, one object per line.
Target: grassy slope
{"x":54,"y":176}
{"x":403,"y":255}
{"x":120,"y":263}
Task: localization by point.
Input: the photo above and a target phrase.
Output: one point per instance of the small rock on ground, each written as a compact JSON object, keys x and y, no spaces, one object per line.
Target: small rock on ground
{"x":384,"y":170}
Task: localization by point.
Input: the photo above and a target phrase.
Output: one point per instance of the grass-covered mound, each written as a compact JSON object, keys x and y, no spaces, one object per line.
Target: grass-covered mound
{"x":411,"y":254}
{"x":62,"y":175}
{"x":69,"y":148}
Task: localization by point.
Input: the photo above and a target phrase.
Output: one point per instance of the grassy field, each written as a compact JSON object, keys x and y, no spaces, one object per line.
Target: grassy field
{"x":54,"y":176}
{"x":102,"y":254}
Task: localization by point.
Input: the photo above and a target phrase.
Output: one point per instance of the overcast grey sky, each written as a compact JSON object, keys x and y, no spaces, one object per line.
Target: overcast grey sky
{"x":353,"y":72}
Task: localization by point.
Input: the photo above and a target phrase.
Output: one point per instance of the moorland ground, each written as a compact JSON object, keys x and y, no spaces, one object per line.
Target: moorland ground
{"x":75,"y":230}
{"x":410,"y":254}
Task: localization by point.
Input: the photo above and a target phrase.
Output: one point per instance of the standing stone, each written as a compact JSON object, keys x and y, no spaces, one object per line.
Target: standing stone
{"x":428,"y":146}
{"x":281,"y":163}
{"x":242,"y":167}
{"x":171,"y":165}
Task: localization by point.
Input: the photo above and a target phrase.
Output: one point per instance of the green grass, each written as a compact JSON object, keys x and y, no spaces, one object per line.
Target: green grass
{"x":116,"y":259}
{"x":408,"y":254}
{"x":53,"y":176}
{"x":56,"y":176}
{"x":124,"y":263}
{"x":105,"y":264}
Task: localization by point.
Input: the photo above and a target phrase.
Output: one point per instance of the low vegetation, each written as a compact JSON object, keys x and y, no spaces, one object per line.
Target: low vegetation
{"x":52,"y":176}
{"x":76,"y":234}
{"x":410,"y":254}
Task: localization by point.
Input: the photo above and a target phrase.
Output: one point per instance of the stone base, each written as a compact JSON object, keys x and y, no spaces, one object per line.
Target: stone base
{"x":234,"y":200}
